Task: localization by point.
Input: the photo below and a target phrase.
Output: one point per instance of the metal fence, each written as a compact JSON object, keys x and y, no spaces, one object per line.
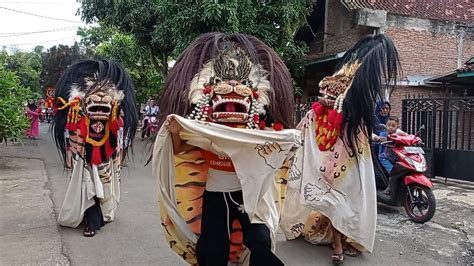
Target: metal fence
{"x":449,"y":134}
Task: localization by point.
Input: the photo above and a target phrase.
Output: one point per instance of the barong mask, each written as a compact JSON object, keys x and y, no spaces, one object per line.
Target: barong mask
{"x":232,"y":79}
{"x":334,"y":88}
{"x":96,"y":93}
{"x":366,"y":72}
{"x":236,"y":91}
{"x":101,"y":100}
{"x":329,"y":108}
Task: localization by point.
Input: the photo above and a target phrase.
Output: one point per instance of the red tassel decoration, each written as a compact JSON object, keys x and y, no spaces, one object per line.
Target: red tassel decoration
{"x":108,"y":149}
{"x":96,"y":158}
{"x":207,"y":89}
{"x":72,"y":126}
{"x":255,"y":94}
{"x":277,"y":126}
{"x":338,"y":121}
{"x":328,"y":126}
{"x":256,"y":119}
{"x":114,"y":125}
{"x":318,"y":109}
{"x":82,"y":127}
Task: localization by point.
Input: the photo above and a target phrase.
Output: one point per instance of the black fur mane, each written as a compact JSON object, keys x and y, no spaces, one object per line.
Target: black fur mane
{"x":378,"y":72}
{"x":101,"y":70}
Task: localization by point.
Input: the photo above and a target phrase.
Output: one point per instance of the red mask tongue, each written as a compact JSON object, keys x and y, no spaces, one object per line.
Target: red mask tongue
{"x":230,"y":107}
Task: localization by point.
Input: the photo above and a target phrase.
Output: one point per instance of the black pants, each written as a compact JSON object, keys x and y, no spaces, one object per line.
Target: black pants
{"x":93,"y":216}
{"x":213,"y":245}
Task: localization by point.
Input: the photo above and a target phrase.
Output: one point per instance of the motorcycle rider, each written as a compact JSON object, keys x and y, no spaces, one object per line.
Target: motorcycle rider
{"x":384,"y":155}
{"x":150,"y":110}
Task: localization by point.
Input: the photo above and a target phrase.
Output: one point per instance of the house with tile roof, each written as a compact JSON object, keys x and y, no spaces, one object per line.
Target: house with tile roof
{"x":433,"y":37}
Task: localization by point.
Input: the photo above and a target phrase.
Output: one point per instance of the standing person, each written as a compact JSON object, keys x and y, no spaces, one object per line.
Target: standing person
{"x":334,"y":174}
{"x":150,"y":110}
{"x":91,"y":95}
{"x":221,"y":169}
{"x":382,"y":113}
{"x":33,"y":112}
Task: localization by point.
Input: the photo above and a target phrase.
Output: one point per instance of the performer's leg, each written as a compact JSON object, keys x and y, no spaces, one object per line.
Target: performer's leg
{"x":256,"y":238}
{"x":93,"y":217}
{"x":68,"y":158}
{"x":337,"y":246}
{"x":387,"y":165}
{"x":212,"y":248}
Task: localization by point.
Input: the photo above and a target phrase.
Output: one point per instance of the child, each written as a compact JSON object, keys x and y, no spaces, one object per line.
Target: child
{"x":392,"y":126}
{"x":384,"y":154}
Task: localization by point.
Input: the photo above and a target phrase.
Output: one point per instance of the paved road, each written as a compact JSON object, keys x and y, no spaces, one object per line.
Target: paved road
{"x":135,"y":237}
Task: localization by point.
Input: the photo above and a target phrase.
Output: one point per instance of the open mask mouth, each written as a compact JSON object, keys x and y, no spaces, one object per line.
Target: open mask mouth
{"x":328,"y":95}
{"x":231,"y":108}
{"x":99,"y":111}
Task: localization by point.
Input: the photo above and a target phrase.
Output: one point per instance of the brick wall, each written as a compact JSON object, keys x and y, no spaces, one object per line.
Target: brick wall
{"x":426,"y":47}
{"x":342,"y":34}
{"x":401,"y":92}
{"x":468,"y":48}
{"x":425,"y":53}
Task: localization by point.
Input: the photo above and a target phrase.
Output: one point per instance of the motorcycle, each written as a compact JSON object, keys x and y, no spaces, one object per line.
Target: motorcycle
{"x":406,"y":185}
{"x":152,"y":126}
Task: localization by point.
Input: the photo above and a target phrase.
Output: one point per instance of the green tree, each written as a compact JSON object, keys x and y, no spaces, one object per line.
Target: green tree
{"x":166,"y":27}
{"x":56,"y":59}
{"x":26,"y":65}
{"x":123,"y":48}
{"x":13,"y":96}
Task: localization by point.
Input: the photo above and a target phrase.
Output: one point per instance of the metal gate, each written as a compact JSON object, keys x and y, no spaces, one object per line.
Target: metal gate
{"x":449,"y":133}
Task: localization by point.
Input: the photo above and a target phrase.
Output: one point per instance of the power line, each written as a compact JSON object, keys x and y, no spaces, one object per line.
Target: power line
{"x":40,"y":16}
{"x":15,"y":34}
{"x":40,"y":42}
{"x":35,"y":2}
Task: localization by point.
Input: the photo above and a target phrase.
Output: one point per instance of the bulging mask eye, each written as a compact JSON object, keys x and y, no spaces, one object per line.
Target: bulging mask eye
{"x":95,"y":98}
{"x":107,"y":98}
{"x":222,"y":88}
{"x":217,"y":81}
{"x":243,"y":90}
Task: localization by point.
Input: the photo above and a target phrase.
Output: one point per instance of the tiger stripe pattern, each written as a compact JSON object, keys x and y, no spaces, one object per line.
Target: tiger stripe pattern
{"x":191,"y":177}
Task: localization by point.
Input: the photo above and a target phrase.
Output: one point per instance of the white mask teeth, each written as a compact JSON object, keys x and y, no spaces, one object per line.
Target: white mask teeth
{"x":220,"y":100}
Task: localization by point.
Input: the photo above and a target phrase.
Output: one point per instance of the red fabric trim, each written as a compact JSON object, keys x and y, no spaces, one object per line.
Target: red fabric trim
{"x":108,"y":149}
{"x":96,"y":158}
